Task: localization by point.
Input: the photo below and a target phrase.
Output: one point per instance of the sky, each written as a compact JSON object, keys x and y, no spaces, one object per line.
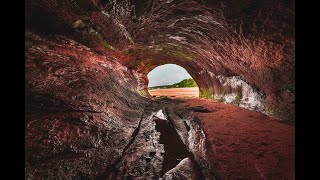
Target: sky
{"x":166,"y":75}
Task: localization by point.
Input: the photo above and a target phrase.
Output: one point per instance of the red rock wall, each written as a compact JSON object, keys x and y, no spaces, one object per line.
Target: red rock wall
{"x":81,"y":109}
{"x":87,"y":62}
{"x":251,"y":39}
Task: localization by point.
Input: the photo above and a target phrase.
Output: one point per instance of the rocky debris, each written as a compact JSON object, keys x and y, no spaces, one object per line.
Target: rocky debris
{"x":162,"y":149}
{"x":175,"y":149}
{"x":184,"y":170}
{"x":192,"y":133}
{"x":160,"y":115}
{"x":143,"y":157}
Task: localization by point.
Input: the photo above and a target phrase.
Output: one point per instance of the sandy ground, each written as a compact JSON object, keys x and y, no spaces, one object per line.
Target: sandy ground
{"x":176,"y":92}
{"x":247,"y":144}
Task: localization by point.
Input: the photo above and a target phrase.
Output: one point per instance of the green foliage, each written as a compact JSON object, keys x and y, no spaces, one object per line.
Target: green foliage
{"x":237,"y":100}
{"x":85,"y":22}
{"x":78,"y":24}
{"x":169,"y":50}
{"x":81,"y":23}
{"x":208,"y":94}
{"x":144,"y":93}
{"x":106,"y":45}
{"x":184,"y":83}
{"x":204,"y":94}
{"x":175,"y":51}
{"x":127,"y":51}
{"x":177,"y":54}
{"x":273,"y":111}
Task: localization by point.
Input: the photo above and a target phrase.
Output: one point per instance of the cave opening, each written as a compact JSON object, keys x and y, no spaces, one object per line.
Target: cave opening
{"x":171,"y":80}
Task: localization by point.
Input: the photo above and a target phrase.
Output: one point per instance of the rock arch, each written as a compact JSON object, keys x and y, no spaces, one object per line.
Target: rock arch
{"x":252,"y":40}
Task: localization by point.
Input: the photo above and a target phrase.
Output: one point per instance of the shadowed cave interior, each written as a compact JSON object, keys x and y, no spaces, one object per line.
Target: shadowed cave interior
{"x":89,"y":114}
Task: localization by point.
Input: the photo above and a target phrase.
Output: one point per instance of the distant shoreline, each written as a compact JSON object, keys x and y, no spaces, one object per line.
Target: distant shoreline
{"x":169,"y":87}
{"x":186,"y":83}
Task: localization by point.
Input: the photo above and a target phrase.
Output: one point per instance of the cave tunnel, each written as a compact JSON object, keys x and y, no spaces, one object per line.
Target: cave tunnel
{"x":89,"y":113}
{"x":171,"y":80}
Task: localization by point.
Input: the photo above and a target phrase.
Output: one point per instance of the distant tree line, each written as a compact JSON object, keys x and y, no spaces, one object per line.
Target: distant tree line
{"x":182,"y":84}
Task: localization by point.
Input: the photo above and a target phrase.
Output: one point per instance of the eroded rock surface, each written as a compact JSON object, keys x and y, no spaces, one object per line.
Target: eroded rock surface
{"x":184,"y":170}
{"x":210,"y":39}
{"x":80,"y":109}
{"x":86,"y":79}
{"x":83,"y":119}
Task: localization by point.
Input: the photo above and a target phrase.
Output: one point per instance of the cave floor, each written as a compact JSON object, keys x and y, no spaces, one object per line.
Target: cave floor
{"x":245,"y":144}
{"x":178,"y":138}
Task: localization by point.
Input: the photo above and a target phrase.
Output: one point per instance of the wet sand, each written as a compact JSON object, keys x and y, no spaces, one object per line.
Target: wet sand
{"x":176,"y":92}
{"x":246,"y":144}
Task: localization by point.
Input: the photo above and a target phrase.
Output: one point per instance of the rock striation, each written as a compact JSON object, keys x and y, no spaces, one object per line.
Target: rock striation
{"x":86,"y":66}
{"x":210,"y":39}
